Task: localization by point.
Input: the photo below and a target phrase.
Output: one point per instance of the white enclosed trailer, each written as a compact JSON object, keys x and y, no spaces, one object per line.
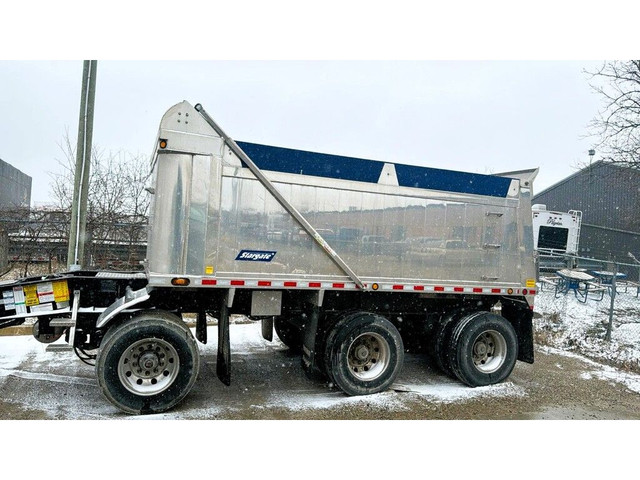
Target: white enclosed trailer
{"x":556,"y":232}
{"x":556,"y":237}
{"x":351,"y":260}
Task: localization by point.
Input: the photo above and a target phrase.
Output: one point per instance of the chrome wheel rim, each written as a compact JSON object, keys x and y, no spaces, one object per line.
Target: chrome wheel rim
{"x":489,"y":351}
{"x":368,"y":356}
{"x":148,"y":366}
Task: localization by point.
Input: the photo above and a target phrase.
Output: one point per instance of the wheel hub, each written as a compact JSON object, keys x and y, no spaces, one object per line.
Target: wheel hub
{"x":362,"y":352}
{"x":148,"y":366}
{"x":489,"y":351}
{"x":149,"y":361}
{"x":481,"y":348}
{"x":368,"y":356}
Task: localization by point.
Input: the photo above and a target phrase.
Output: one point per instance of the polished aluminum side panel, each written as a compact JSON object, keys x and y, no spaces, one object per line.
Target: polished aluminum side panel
{"x":525,"y":231}
{"x":381,"y":235}
{"x":168,"y":230}
{"x":252,"y":220}
{"x":197,"y":220}
{"x":185,"y":214}
{"x":207,"y":208}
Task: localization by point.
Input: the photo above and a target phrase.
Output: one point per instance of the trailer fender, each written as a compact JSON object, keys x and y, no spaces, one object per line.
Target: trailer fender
{"x":130,"y":299}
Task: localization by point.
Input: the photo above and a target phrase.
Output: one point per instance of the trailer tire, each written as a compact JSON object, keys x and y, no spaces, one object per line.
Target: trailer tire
{"x":442,"y":343}
{"x":365,"y":353}
{"x":170,"y":352}
{"x":484,"y":349}
{"x":332,"y":324}
{"x":289,"y":334}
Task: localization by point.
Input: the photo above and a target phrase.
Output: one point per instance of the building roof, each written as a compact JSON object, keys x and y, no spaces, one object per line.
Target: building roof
{"x":594,"y":166}
{"x":608,"y":196}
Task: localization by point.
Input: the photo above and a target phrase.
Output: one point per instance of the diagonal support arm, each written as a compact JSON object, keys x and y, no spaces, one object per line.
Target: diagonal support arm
{"x":285,"y":204}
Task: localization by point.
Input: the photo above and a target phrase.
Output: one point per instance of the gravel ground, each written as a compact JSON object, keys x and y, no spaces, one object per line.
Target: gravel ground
{"x":268,"y":384}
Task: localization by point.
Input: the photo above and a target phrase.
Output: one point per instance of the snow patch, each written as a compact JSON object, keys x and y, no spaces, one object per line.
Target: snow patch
{"x":570,"y":325}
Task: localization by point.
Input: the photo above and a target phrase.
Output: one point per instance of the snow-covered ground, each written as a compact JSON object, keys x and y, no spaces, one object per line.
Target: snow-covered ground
{"x":26,"y":358}
{"x":569,"y":327}
{"x":562,"y":325}
{"x":568,"y":324}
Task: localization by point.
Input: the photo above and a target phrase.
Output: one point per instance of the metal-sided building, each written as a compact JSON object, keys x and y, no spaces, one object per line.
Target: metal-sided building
{"x":15,"y":187}
{"x":608,"y":196}
{"x":15,"y":191}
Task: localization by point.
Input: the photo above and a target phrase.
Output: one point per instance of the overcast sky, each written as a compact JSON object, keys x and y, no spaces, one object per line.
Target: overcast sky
{"x":484,"y":116}
{"x":477,"y":116}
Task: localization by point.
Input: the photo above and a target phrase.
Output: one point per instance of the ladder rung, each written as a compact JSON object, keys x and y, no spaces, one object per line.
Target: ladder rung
{"x":59,"y":347}
{"x":62,"y":322}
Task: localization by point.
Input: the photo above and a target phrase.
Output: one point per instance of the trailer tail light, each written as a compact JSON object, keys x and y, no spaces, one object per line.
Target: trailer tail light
{"x":163,"y":143}
{"x":180,"y":282}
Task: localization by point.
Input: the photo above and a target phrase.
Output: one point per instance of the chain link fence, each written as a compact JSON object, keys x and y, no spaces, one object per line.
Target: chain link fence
{"x":590,"y":306}
{"x":4,"y":251}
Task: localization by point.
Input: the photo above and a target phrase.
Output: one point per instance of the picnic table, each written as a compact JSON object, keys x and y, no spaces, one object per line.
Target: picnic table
{"x":622,"y":283}
{"x":606,"y":278}
{"x":580,"y":282}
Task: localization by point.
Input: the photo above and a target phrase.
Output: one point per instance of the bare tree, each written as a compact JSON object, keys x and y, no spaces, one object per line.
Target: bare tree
{"x":32,"y":235}
{"x":118,"y":204}
{"x":617,"y":125}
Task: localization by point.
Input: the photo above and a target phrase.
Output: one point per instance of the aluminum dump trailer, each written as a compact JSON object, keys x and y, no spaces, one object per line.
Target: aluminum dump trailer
{"x":352,"y":262}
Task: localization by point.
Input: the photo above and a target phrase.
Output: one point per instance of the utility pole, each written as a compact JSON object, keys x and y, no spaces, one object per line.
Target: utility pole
{"x":77,"y":234}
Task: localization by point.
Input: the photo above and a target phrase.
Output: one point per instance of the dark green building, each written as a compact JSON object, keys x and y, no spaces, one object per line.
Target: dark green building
{"x":15,"y":187}
{"x":609,"y":198}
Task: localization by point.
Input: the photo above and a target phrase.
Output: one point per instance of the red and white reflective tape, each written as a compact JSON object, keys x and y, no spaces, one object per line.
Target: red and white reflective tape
{"x":278,"y":284}
{"x":384,"y":287}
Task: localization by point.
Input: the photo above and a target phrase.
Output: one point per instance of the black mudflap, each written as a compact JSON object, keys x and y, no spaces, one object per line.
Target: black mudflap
{"x":309,"y":363}
{"x":267,"y":329}
{"x":201,"y":327}
{"x":521,"y":317}
{"x":223,"y":364}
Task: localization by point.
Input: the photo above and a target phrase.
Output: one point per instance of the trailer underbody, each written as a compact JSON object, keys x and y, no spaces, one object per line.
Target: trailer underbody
{"x":354,"y":339}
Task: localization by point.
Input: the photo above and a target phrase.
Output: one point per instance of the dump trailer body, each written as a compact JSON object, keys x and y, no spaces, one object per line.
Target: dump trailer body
{"x":350,"y":261}
{"x":395,"y":225}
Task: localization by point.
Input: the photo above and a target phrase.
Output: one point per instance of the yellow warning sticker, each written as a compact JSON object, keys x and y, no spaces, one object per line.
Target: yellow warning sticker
{"x":61,"y":291}
{"x":31,"y":295}
{"x":208,"y":270}
{"x":531,"y":283}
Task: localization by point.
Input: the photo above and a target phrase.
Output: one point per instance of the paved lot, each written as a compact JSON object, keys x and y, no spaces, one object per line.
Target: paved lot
{"x":268,"y":383}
